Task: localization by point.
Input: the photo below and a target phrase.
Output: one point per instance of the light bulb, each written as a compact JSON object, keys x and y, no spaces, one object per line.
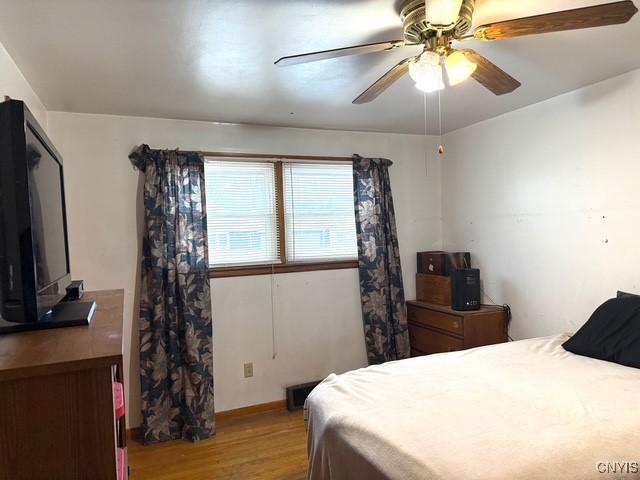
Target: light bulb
{"x":427,"y":72}
{"x":443,"y":13}
{"x":459,"y":68}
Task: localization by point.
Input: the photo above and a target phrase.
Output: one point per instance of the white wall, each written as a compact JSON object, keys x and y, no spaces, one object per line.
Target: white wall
{"x":548,"y":200}
{"x":14,"y":85}
{"x":318,"y":320}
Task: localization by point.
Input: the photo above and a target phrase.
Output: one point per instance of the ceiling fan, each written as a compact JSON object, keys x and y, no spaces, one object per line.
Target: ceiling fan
{"x":435,"y":24}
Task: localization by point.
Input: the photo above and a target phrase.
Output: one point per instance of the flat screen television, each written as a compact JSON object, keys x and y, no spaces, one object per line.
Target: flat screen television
{"x":34,"y":247}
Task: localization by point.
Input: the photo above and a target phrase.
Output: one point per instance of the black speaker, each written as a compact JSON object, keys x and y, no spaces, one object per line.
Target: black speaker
{"x":465,"y":289}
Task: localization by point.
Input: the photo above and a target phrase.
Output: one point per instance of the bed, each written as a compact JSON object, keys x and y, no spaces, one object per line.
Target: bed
{"x":526,"y":409}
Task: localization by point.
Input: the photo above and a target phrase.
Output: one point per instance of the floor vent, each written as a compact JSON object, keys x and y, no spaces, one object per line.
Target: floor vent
{"x":297,"y":394}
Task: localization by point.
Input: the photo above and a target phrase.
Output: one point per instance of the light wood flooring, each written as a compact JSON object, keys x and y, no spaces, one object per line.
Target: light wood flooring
{"x":261,"y":446}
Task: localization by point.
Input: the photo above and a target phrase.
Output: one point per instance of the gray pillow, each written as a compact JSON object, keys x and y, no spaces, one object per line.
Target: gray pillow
{"x":626,"y":294}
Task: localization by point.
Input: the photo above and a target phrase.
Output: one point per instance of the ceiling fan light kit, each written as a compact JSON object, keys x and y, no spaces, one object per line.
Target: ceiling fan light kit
{"x":459,"y":68}
{"x":435,"y":25}
{"x":426,"y":72}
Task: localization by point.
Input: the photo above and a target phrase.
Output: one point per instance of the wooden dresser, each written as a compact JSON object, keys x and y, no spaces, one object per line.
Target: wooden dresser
{"x":437,"y":329}
{"x":57,"y":405}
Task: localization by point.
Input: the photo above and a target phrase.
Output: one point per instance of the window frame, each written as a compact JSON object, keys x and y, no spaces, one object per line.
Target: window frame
{"x":284,"y":266}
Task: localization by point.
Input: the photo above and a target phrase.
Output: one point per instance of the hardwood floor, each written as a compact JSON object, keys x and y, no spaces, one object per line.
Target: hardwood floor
{"x":262,"y":446}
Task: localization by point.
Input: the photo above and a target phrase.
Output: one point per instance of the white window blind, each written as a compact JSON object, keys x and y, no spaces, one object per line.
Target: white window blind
{"x":241,"y":213}
{"x":319,"y":212}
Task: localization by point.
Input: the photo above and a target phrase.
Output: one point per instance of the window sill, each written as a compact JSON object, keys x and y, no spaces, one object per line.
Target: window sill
{"x":225,"y":272}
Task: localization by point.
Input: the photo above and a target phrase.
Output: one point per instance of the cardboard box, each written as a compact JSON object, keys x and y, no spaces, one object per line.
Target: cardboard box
{"x":433,"y":289}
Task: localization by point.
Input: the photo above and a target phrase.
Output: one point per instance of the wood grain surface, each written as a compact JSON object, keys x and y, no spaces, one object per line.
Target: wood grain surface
{"x":64,"y":349}
{"x":265,"y":446}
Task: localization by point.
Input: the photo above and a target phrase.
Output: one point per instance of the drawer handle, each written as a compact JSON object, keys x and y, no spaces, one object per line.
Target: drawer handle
{"x":456,"y":324}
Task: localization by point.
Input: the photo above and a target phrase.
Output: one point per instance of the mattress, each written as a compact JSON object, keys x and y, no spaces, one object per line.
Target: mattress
{"x":520,"y":410}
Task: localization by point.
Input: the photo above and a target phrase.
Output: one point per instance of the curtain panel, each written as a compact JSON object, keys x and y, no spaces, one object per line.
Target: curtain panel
{"x":176,"y":355}
{"x":384,"y":311}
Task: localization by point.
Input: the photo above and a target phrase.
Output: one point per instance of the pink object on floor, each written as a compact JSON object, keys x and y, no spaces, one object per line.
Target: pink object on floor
{"x":121,"y":456}
{"x":118,"y":399}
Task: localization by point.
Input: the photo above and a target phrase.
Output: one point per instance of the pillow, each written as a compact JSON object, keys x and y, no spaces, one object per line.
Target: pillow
{"x":626,"y":294}
{"x":612,"y":333}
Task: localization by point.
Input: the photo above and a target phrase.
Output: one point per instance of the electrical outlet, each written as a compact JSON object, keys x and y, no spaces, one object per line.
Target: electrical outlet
{"x":248,"y":370}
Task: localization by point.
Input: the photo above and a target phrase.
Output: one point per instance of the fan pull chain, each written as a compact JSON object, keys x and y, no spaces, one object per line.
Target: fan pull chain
{"x":426,"y":137}
{"x":440,"y":146}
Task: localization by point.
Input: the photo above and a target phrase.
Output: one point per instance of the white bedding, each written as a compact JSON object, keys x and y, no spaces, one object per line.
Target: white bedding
{"x":525,"y":409}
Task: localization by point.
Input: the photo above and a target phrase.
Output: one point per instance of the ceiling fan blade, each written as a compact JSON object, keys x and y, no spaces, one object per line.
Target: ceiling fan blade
{"x":491,"y":76}
{"x":339,"y":52}
{"x":596,"y":16}
{"x":384,"y":82}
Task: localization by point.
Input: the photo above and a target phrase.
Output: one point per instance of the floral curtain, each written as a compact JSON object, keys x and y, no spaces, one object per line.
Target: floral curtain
{"x":176,"y":359}
{"x":381,"y":290}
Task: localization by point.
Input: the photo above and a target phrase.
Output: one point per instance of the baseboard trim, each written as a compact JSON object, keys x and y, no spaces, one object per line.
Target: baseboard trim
{"x":135,"y":432}
{"x":251,"y":410}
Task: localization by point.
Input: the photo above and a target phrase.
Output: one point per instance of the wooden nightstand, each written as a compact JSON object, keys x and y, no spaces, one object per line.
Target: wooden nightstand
{"x":437,"y":329}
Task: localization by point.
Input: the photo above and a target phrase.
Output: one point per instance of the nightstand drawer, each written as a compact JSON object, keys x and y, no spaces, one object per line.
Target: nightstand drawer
{"x":432,"y":318}
{"x":430,"y":341}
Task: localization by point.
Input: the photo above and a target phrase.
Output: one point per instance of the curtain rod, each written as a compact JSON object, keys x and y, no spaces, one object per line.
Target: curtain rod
{"x":275,"y":157}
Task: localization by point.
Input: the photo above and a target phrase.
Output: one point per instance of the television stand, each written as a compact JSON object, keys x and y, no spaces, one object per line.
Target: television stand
{"x":59,"y":414}
{"x":63,"y":314}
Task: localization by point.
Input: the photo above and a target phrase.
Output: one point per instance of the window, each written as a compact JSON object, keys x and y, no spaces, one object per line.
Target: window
{"x":241,"y":213}
{"x":319,"y":213}
{"x":264,"y":215}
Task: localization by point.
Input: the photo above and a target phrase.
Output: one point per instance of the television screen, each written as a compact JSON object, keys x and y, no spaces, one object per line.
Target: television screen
{"x":34,"y":251}
{"x":47,"y":214}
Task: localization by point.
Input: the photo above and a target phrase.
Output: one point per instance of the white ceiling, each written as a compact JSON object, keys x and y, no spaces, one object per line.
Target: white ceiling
{"x":213,"y":60}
